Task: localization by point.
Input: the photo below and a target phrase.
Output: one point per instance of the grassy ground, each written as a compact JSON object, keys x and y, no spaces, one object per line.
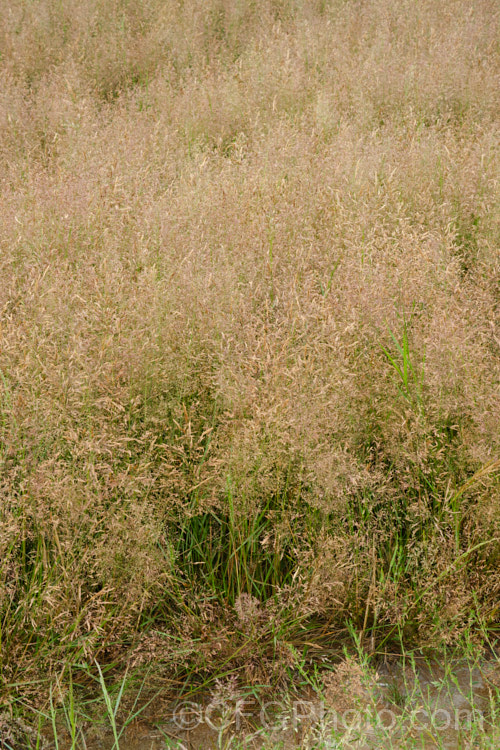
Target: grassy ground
{"x":249,"y":335}
{"x":406,"y":701}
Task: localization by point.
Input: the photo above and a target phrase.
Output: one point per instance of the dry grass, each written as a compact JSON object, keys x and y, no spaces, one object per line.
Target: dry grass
{"x":249,"y":294}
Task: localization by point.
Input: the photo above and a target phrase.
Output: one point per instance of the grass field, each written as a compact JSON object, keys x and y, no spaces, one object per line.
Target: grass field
{"x":249,"y":336}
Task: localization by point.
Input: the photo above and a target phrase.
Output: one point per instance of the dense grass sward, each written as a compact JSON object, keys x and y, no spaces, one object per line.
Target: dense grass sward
{"x":249,"y":335}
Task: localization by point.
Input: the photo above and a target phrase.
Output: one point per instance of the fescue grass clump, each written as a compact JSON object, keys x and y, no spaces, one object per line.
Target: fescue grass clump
{"x":249,"y":361}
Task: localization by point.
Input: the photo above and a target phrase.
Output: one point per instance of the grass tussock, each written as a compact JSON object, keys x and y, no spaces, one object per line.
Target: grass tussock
{"x":250,"y":337}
